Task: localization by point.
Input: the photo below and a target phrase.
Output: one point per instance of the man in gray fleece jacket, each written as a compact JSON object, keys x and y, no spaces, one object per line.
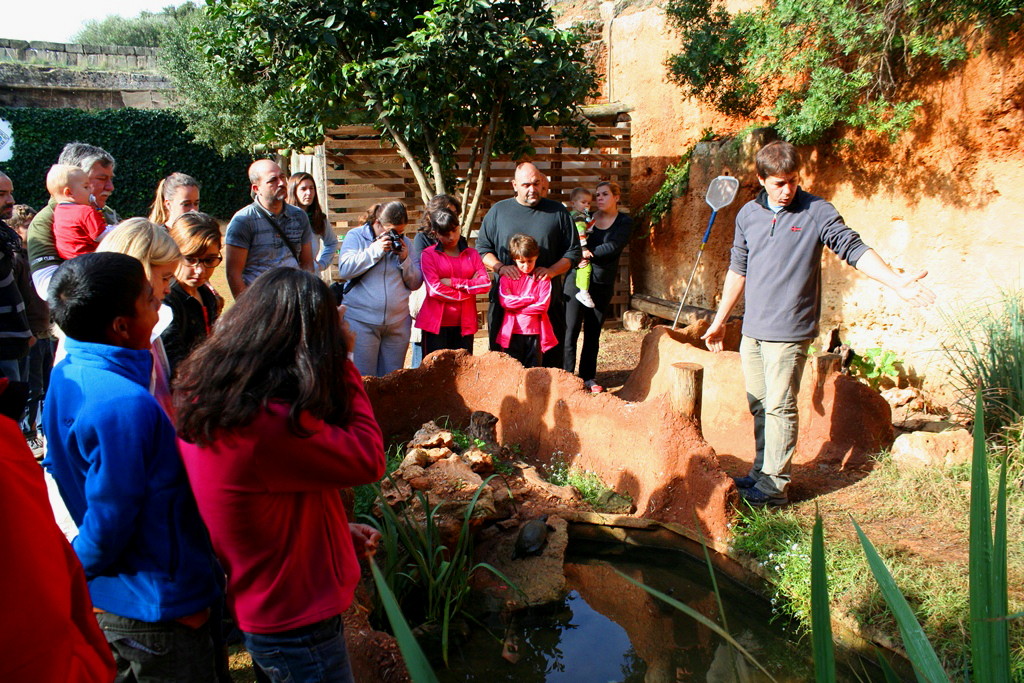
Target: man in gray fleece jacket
{"x":776,"y":260}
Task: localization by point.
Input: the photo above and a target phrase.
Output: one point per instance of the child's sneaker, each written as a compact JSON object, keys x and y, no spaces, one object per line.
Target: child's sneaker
{"x":583,"y":296}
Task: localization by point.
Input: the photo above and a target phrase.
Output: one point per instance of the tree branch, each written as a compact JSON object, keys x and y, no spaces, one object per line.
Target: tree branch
{"x":485,"y":167}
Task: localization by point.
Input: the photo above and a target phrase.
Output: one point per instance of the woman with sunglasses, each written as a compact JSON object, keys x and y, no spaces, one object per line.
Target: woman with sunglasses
{"x":193,"y":303}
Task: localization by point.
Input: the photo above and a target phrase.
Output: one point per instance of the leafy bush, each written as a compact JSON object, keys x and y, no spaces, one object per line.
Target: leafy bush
{"x":876,"y":365}
{"x":819,"y":63}
{"x":148,"y":145}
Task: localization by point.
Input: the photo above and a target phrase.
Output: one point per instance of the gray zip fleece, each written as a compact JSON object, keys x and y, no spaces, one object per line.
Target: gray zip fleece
{"x":380,"y":295}
{"x":780,"y":255}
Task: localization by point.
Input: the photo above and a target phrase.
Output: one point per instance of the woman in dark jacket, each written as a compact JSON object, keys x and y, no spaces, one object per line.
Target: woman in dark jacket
{"x":193,"y":303}
{"x":605,"y":243}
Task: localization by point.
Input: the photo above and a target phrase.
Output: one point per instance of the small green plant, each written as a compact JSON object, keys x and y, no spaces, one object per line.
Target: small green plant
{"x":677,"y":182}
{"x":876,"y":365}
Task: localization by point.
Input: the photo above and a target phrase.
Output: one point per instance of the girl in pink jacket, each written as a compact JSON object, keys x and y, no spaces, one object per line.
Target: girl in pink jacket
{"x":526,"y":331}
{"x":453,"y":275}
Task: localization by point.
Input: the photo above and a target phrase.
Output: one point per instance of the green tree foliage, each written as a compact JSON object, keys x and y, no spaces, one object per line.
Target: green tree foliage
{"x":146,"y":30}
{"x":148,"y":145}
{"x":819,"y":63}
{"x":417,"y":70}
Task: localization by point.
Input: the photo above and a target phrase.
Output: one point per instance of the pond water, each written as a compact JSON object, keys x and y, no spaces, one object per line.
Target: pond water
{"x":607,"y":629}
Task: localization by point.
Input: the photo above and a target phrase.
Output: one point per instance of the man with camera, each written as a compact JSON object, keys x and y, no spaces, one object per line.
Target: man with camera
{"x":268,"y":233}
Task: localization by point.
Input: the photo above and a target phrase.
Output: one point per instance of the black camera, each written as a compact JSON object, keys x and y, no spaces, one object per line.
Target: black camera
{"x":395,"y":240}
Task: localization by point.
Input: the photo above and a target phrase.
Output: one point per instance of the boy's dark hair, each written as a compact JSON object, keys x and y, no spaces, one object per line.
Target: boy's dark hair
{"x":443,"y":222}
{"x":579,"y":192}
{"x":280,"y":341}
{"x":777,"y":159}
{"x":89,"y":291}
{"x":523,"y":247}
{"x":436,"y":203}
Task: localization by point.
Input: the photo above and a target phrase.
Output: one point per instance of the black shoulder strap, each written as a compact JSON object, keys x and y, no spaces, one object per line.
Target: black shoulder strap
{"x":280,"y":231}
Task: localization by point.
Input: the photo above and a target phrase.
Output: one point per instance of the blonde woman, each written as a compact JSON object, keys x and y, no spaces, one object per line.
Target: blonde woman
{"x":153,"y":246}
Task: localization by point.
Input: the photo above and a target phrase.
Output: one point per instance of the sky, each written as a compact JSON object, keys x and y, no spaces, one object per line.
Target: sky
{"x":57,"y":20}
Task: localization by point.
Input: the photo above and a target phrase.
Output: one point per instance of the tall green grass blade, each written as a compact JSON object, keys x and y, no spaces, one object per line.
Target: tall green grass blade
{"x":980,"y":563}
{"x":1000,"y":594}
{"x":700,"y":618}
{"x":415,"y":661}
{"x":919,"y":650}
{"x":886,"y":667}
{"x":821,"y":617}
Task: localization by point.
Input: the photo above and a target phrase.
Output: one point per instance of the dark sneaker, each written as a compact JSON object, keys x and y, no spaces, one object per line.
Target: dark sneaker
{"x":758,"y":498}
{"x":744,"y":482}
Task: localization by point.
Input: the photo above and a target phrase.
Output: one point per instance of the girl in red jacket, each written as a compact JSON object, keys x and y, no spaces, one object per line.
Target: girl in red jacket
{"x":454,"y":275}
{"x":526,"y":332}
{"x":273,"y":421}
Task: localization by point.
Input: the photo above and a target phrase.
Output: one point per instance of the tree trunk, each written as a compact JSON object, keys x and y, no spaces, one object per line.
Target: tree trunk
{"x":485,"y":167}
{"x":435,"y":165}
{"x":403,"y":149}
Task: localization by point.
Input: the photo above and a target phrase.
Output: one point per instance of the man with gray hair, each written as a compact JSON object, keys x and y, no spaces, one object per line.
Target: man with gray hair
{"x":42,"y":249}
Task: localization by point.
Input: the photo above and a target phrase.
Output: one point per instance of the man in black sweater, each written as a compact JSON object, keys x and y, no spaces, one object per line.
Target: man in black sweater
{"x":548,"y":222}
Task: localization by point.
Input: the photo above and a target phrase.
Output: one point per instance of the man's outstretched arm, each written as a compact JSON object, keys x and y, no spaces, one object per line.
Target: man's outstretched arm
{"x":909,"y":287}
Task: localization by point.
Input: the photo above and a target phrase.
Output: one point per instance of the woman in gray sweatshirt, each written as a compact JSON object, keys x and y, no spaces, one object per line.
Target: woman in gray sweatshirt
{"x":374,"y":259}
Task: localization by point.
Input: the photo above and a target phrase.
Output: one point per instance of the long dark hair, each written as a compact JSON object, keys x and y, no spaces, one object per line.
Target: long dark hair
{"x":317,"y":218}
{"x":281,"y":341}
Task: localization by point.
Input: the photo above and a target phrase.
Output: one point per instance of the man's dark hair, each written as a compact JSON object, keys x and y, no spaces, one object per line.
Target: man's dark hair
{"x":777,"y":159}
{"x":89,"y":291}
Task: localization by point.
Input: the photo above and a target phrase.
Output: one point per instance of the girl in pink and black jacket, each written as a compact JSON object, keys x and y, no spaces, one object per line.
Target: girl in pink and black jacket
{"x":526,"y":331}
{"x":454,"y":275}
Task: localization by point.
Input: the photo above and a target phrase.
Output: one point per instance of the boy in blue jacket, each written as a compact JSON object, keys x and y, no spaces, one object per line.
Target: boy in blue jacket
{"x":113,"y":454}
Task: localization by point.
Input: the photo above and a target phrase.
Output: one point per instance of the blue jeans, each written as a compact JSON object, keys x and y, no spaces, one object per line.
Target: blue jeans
{"x":380,"y":349}
{"x":772,"y":372}
{"x":310,"y":654}
{"x":161,"y":651}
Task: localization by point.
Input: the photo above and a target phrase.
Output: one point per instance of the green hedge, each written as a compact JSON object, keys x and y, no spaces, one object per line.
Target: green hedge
{"x":148,"y":145}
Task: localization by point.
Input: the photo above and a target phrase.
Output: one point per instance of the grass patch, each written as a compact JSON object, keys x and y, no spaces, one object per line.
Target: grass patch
{"x":937,"y":589}
{"x":591,"y":487}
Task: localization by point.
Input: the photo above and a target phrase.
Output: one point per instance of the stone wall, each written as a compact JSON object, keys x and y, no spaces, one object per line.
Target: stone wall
{"x":98,"y":57}
{"x":53,"y":75}
{"x":948,"y":196}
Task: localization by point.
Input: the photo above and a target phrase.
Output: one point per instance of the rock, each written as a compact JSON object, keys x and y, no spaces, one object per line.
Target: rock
{"x":559,"y":493}
{"x":926,"y":449}
{"x":613,"y":503}
{"x":901,"y":397}
{"x":634,"y":321}
{"x":483,"y":426}
{"x":479,"y":461}
{"x":414,"y":457}
{"x":420,"y":483}
{"x":540,"y":578}
{"x":431,"y":436}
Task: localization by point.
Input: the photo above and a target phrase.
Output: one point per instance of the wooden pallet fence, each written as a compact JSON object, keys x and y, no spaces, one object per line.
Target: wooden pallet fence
{"x":360,"y":169}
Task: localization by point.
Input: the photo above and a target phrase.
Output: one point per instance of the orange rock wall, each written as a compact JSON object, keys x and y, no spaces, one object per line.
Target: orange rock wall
{"x":947,"y":197}
{"x":643,"y":449}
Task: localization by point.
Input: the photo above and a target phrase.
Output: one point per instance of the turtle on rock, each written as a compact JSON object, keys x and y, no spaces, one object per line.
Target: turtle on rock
{"x":532,"y":537}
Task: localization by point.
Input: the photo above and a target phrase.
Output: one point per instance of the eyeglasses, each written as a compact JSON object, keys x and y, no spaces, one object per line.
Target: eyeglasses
{"x":207,"y":261}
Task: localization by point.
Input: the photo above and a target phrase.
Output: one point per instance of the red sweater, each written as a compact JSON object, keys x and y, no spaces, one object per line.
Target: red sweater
{"x":272,"y":504}
{"x":526,"y":303}
{"x":77,"y":229}
{"x":47,"y":627}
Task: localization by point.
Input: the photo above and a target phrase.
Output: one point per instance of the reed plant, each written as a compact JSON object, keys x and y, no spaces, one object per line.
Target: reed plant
{"x":986,"y":348}
{"x":429,"y":579}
